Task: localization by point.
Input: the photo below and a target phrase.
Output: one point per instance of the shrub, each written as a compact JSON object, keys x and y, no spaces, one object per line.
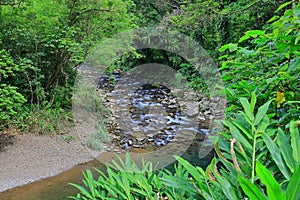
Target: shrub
{"x":11,"y":101}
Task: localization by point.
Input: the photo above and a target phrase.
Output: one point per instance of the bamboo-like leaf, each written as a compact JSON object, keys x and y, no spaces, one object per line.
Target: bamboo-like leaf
{"x":286,"y":149}
{"x":238,"y":136}
{"x":192,"y":170}
{"x":247,"y":132}
{"x":295,"y":140}
{"x":264,"y":123}
{"x":277,"y":157}
{"x":253,"y":102}
{"x":251,"y":190}
{"x":293,"y":189}
{"x":91,"y":182}
{"x":262,"y":111}
{"x":247,"y":108}
{"x":227,"y":188}
{"x":283,"y":5}
{"x":273,"y":188}
{"x":82,"y":190}
{"x":224,"y":47}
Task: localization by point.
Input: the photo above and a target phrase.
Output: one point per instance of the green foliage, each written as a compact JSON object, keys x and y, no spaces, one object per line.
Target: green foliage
{"x":254,"y":166}
{"x":215,"y":23}
{"x":126,"y":180}
{"x":101,"y":134}
{"x":271,"y":67}
{"x":11,"y":100}
{"x":56,"y":36}
{"x":46,"y":41}
{"x":259,"y":149}
{"x":11,"y":103}
{"x":47,"y":120}
{"x":261,"y":173}
{"x":97,"y":138}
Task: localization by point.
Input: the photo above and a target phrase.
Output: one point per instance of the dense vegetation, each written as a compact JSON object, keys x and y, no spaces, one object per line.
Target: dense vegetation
{"x":42,"y":43}
{"x":256,"y":45}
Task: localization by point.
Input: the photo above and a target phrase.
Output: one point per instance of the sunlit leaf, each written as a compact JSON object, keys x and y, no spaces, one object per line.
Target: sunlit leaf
{"x":283,"y":5}
{"x":286,"y":149}
{"x":293,"y":190}
{"x":295,"y":140}
{"x":277,"y":157}
{"x":262,"y":111}
{"x":273,"y":188}
{"x":251,"y":190}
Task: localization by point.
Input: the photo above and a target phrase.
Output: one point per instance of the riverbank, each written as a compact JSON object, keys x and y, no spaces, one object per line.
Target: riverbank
{"x":32,"y":158}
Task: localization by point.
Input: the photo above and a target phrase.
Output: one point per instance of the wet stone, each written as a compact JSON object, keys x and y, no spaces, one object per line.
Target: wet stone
{"x":152,"y":109}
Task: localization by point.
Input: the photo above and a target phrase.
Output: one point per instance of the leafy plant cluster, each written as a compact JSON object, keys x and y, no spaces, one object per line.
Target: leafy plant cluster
{"x":11,"y":100}
{"x":259,"y":162}
{"x":258,"y":152}
{"x":210,"y":23}
{"x":42,"y":43}
{"x":269,"y":66}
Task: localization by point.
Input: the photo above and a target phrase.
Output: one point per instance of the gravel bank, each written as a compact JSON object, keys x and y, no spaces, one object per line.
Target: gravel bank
{"x":32,"y":158}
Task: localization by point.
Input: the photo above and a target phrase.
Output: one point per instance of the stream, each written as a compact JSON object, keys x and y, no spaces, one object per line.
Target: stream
{"x":146,"y":120}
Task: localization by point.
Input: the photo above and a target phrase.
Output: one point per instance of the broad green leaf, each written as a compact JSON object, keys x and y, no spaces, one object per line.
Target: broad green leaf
{"x":82,"y":190}
{"x":294,"y":64}
{"x":296,"y":11}
{"x":293,"y":189}
{"x":245,"y":37}
{"x":255,"y":33}
{"x":297,"y":39}
{"x":276,"y":155}
{"x":295,"y":140}
{"x":251,"y":190}
{"x":262,"y":126}
{"x":89,"y":181}
{"x":286,"y":149}
{"x":262,"y":111}
{"x":247,"y":108}
{"x":232,"y":47}
{"x":273,"y":188}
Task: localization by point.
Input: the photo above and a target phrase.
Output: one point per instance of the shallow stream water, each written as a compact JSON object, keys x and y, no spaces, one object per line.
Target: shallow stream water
{"x":151,"y":119}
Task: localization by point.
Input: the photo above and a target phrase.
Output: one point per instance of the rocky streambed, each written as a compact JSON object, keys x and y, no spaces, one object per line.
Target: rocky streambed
{"x":144,"y":117}
{"x":139,"y":117}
